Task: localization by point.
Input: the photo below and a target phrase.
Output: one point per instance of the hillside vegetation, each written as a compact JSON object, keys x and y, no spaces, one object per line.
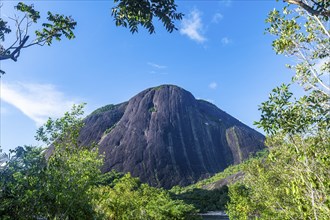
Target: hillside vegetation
{"x":211,"y":194}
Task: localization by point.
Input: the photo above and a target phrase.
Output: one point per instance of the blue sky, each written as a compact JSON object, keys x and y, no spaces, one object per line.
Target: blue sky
{"x":220,"y":53}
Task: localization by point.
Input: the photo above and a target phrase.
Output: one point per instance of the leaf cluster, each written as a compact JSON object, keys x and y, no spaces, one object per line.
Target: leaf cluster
{"x":284,"y":113}
{"x":291,"y":183}
{"x":130,"y":199}
{"x":306,"y":37}
{"x":29,"y":10}
{"x":131,"y":14}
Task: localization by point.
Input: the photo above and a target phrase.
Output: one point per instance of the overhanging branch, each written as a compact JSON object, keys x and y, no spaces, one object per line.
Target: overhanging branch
{"x":15,"y":54}
{"x":321,"y":10}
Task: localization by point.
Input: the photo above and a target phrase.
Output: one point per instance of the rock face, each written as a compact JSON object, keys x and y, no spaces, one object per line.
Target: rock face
{"x":166,"y":137}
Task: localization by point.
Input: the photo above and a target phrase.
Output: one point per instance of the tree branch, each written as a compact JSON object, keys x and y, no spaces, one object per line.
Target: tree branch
{"x":323,"y":11}
{"x":15,"y":54}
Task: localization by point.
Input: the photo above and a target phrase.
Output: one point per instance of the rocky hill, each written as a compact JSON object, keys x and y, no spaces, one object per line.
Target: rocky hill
{"x":166,"y":137}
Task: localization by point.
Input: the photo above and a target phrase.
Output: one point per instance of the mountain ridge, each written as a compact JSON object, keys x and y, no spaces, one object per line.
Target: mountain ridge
{"x":166,"y":137}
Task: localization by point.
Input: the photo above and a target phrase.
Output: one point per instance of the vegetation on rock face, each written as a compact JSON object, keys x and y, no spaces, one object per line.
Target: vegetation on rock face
{"x":293,"y":181}
{"x":211,"y":194}
{"x":103,"y":109}
{"x":107,"y":131}
{"x":69,"y":184}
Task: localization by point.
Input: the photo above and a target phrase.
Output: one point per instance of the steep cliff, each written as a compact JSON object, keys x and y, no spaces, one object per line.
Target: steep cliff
{"x":166,"y":137}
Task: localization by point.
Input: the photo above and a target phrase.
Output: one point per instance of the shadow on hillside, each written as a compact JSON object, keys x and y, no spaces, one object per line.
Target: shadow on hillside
{"x":205,"y":200}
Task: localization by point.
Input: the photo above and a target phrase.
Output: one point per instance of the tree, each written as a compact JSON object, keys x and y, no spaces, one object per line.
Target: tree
{"x":305,"y":36}
{"x":293,"y":181}
{"x":130,"y":199}
{"x":131,"y":13}
{"x":56,"y":188}
{"x":57,"y":26}
{"x":19,"y":183}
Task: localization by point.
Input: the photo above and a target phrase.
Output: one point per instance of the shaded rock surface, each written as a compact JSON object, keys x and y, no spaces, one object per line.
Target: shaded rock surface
{"x":166,"y":137}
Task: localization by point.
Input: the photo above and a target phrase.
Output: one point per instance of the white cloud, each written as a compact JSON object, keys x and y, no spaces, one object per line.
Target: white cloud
{"x":225,"y":41}
{"x":192,"y":26}
{"x":213,"y":85}
{"x":37,"y":101}
{"x":226,"y":3}
{"x":217,"y":18}
{"x":157,"y":66}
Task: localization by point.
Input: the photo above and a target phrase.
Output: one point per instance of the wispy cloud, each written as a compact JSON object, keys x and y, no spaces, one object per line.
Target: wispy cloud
{"x":225,"y":41}
{"x":226,"y":3}
{"x":192,"y":26}
{"x":157,"y":66}
{"x":37,"y":101}
{"x":213,"y":85}
{"x":217,"y":17}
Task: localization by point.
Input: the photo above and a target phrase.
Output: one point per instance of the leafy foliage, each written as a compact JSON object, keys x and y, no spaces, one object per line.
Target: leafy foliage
{"x":292,"y":182}
{"x":63,"y":131}
{"x":129,"y":199}
{"x":131,"y":14}
{"x":57,"y":188}
{"x":20,"y":185}
{"x":306,"y":37}
{"x":214,"y":199}
{"x":284,"y":113}
{"x":60,"y":25}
